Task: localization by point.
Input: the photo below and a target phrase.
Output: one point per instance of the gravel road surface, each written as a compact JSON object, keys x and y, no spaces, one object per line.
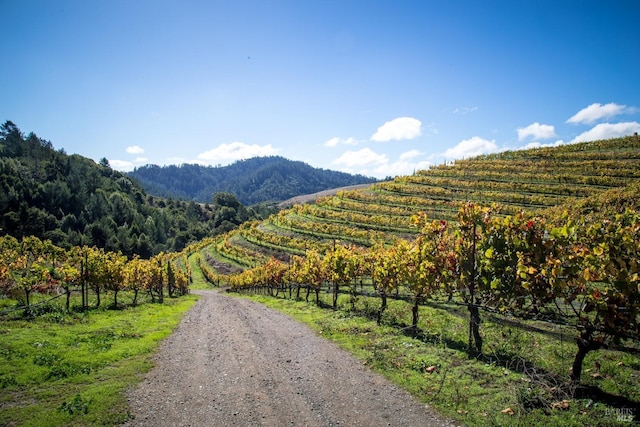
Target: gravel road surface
{"x":234,"y":362}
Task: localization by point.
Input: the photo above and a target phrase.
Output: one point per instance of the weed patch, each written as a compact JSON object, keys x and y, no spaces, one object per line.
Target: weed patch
{"x":77,"y":405}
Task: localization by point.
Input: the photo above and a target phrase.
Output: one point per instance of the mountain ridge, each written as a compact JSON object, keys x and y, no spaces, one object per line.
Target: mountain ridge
{"x":252,"y":181}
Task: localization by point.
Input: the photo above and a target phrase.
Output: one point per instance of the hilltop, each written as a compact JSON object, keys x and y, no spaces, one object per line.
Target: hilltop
{"x":252,"y":181}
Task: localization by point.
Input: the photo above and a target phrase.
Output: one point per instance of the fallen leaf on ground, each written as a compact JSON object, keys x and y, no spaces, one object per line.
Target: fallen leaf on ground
{"x":508,"y":411}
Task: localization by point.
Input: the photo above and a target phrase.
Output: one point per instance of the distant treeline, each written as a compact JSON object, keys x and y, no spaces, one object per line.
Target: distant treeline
{"x":252,"y":181}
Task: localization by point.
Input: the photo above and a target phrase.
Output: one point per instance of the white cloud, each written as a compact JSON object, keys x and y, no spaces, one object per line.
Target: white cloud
{"x":538,"y":144}
{"x":332,"y":142}
{"x":471,"y":147}
{"x":134,"y":149}
{"x":398,"y":129}
{"x":595,"y":112}
{"x":236,"y":151}
{"x":335,"y":141}
{"x":464,"y":110}
{"x":411,"y":154}
{"x":432,"y":129}
{"x":536,"y":130}
{"x":400,"y":168}
{"x":126,"y":165}
{"x":369,"y":163}
{"x":121,"y":165}
{"x":361,"y":158}
{"x":607,"y":131}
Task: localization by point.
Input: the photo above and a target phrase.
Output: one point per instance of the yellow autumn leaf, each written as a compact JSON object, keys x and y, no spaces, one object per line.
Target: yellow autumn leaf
{"x":489,"y":253}
{"x":587,"y":275}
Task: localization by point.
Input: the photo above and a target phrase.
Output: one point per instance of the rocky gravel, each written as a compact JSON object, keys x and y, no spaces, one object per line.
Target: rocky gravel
{"x":234,"y":362}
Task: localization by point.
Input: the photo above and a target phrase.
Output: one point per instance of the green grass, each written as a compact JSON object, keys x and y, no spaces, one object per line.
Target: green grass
{"x":523,"y":372}
{"x":63,"y":369}
{"x":198,"y":281}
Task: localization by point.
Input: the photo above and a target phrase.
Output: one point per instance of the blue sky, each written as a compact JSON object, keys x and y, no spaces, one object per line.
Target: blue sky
{"x":380,"y":88}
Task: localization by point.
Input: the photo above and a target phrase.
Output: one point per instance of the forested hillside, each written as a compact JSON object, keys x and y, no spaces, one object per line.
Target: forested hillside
{"x":252,"y":181}
{"x":73,"y":201}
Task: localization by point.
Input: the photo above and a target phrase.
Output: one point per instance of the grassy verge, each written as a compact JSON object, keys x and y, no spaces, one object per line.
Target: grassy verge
{"x":521,"y":381}
{"x":61,"y":369}
{"x":198,"y":281}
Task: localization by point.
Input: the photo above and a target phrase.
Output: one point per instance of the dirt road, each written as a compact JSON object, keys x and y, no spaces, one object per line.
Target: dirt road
{"x":233,"y":362}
